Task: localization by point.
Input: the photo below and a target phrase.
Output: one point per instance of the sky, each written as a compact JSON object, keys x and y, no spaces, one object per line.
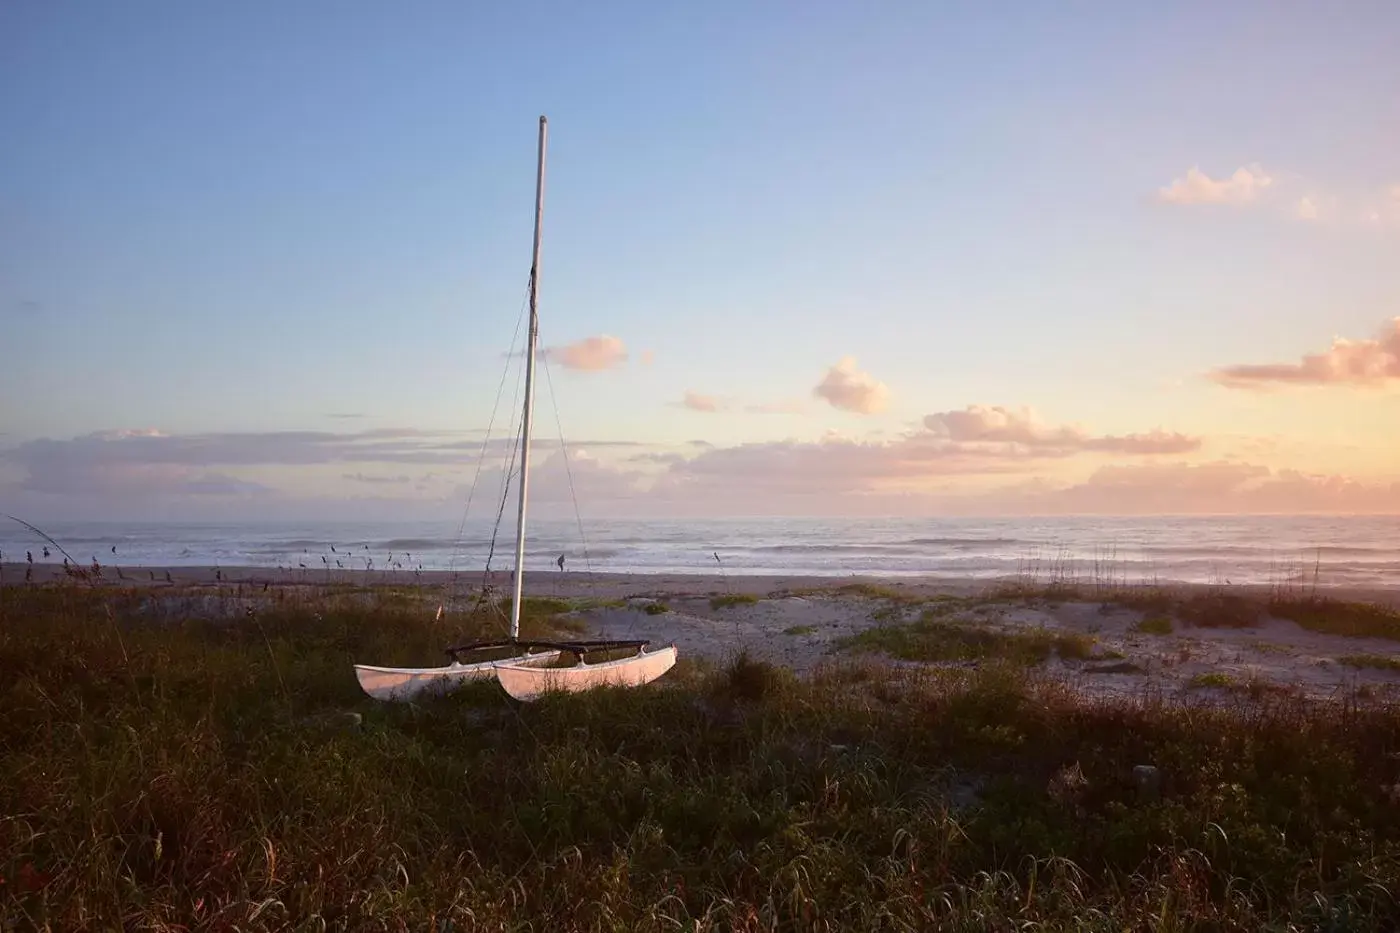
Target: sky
{"x":263,"y":260}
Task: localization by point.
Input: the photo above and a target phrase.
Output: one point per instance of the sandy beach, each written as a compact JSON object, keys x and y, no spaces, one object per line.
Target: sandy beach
{"x":601,"y":585}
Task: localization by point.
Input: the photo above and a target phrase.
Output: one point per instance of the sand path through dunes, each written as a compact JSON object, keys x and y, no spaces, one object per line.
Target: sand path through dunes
{"x":794,"y":631}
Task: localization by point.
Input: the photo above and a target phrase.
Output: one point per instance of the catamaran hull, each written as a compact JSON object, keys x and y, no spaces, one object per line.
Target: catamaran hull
{"x":528,"y":683}
{"x":399,"y":684}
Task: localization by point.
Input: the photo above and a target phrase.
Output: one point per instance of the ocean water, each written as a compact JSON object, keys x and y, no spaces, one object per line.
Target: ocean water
{"x":1351,"y":551}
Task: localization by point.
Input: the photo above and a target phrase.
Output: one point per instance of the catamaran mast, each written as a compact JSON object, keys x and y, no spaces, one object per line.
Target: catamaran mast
{"x":528,"y":415}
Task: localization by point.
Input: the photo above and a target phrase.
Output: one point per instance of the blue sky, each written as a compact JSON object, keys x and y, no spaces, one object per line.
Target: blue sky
{"x":254,"y":217}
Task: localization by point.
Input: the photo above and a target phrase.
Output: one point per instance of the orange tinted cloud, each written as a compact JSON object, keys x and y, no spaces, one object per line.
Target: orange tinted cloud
{"x":1221,"y":487}
{"x":776,"y":408}
{"x":847,"y":388}
{"x":995,"y":424}
{"x":1346,"y":362}
{"x":923,"y":472}
{"x":1245,"y":185}
{"x":590,"y":354}
{"x":706,"y":403}
{"x":697,"y":401}
{"x":833,"y":465}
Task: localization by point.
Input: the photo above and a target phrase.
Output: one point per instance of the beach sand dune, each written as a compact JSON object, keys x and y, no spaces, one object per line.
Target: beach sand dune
{"x":1124,"y":643}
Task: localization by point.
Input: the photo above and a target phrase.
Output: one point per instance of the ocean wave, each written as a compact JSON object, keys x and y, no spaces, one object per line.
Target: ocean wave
{"x":828,"y":549}
{"x":964,"y":542}
{"x":910,"y":546}
{"x":1347,"y":550}
{"x":106,"y":540}
{"x":1276,"y":553}
{"x":596,"y":553}
{"x":415,"y":544}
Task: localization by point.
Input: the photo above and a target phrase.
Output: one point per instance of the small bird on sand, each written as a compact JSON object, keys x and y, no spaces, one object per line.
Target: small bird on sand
{"x":560,"y":562}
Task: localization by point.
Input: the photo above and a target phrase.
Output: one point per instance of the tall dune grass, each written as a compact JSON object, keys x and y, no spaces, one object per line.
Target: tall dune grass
{"x":164,"y":771}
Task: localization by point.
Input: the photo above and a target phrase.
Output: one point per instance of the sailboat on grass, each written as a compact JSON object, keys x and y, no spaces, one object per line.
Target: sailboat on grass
{"x":535,"y":668}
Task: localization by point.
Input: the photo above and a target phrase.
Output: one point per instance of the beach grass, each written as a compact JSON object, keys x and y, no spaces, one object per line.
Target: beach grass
{"x":1220,"y":610}
{"x":1217,"y":679}
{"x":935,"y":638}
{"x":1340,"y":617}
{"x":1221,"y":607}
{"x":1379,"y":662}
{"x":730,"y":600}
{"x":1115,"y":666}
{"x":879,"y":591}
{"x":162,"y":770}
{"x":1155,"y":624}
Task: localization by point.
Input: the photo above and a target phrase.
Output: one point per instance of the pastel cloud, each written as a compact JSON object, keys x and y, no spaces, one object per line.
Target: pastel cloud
{"x":1219,"y":487}
{"x":151,"y":460}
{"x":1293,"y":196}
{"x":849,"y":389}
{"x":746,"y":474}
{"x":402,"y":478}
{"x":1196,"y":187}
{"x":975,"y":441}
{"x":1347,"y":362}
{"x":127,"y":479}
{"x":591,"y":354}
{"x":705,"y":403}
{"x":582,"y":478}
{"x":776,"y":408}
{"x":854,"y":478}
{"x":979,"y":461}
{"x":998,"y":425}
{"x":710,"y":404}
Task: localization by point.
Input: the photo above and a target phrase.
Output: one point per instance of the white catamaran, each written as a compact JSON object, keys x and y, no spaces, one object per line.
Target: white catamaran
{"x":532,"y":671}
